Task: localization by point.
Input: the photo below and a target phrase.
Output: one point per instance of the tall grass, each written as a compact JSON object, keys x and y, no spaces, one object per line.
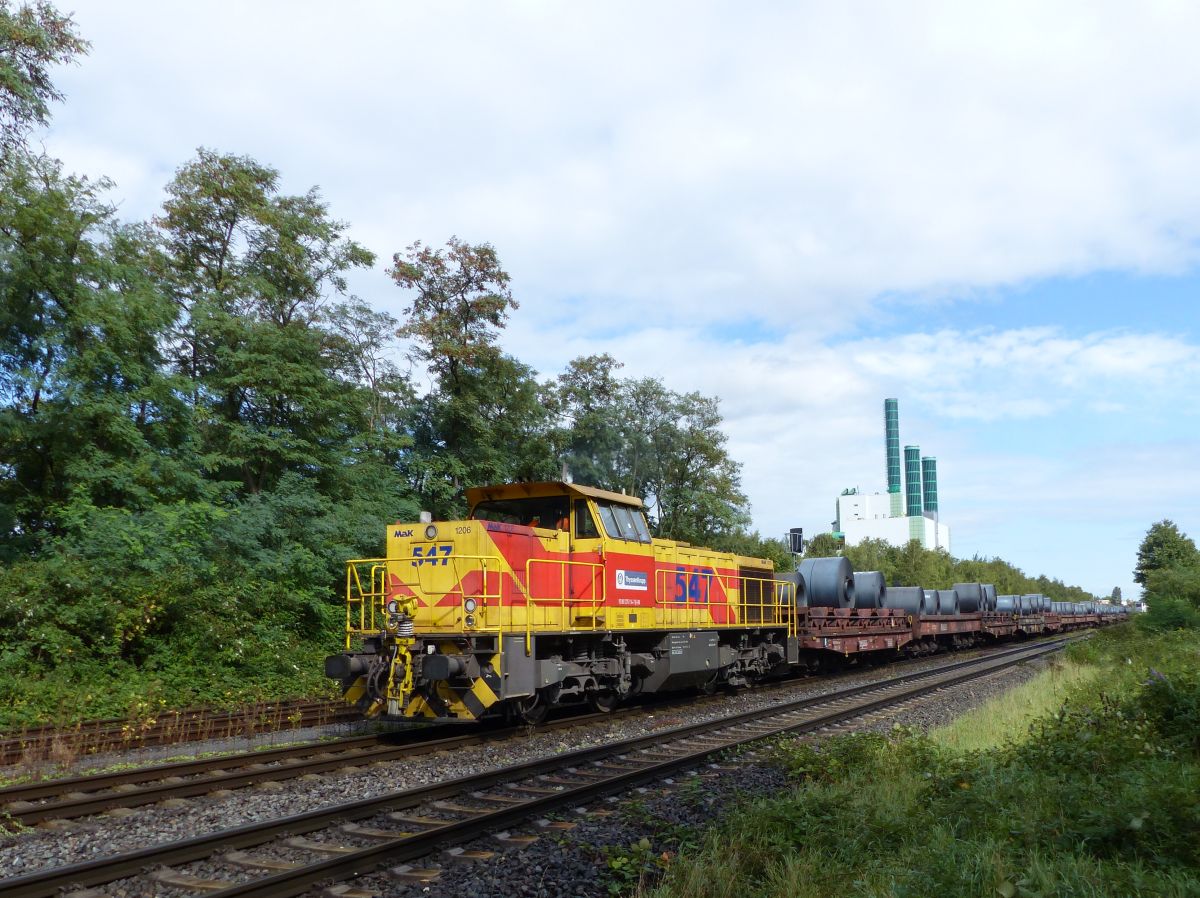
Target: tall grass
{"x":1007,"y":716}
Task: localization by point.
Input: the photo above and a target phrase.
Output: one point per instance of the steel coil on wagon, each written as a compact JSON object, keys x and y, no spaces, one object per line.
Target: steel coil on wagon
{"x":931,"y":602}
{"x":794,"y":578}
{"x":1008,"y":604}
{"x":909,"y":599}
{"x":870,"y":588}
{"x":829,"y":582}
{"x":949,"y":602}
{"x":989,"y":597}
{"x":970,"y":597}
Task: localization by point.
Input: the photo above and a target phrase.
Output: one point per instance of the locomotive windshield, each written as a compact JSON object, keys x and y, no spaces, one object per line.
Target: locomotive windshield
{"x":623,"y":522}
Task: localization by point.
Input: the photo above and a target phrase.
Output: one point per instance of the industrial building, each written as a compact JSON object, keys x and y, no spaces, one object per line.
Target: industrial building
{"x":909,"y":508}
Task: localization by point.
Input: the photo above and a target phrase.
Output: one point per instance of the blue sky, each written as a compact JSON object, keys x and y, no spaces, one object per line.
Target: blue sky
{"x":989,"y":211}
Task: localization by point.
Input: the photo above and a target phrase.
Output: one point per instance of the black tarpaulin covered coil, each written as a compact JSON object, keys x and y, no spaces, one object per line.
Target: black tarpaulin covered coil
{"x":989,"y":597}
{"x":950,"y":602}
{"x":931,"y":602}
{"x":793,"y":577}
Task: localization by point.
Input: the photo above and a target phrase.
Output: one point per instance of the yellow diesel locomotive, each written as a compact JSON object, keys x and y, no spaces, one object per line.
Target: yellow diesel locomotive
{"x":551,"y":594}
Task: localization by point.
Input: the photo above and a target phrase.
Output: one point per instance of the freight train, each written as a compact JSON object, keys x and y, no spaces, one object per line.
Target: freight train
{"x":552,"y":594}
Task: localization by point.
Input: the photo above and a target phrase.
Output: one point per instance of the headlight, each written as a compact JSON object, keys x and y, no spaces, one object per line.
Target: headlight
{"x":431,"y":532}
{"x":470,"y":621}
{"x":470,"y":605}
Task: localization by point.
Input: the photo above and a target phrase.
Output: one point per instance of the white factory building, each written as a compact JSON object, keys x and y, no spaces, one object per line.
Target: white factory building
{"x":909,"y":508}
{"x":869,"y":516}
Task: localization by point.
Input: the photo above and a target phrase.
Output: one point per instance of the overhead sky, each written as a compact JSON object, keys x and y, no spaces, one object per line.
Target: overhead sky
{"x":991,"y":213}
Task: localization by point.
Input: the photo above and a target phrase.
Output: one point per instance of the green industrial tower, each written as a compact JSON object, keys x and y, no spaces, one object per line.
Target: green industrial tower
{"x":891,"y":429}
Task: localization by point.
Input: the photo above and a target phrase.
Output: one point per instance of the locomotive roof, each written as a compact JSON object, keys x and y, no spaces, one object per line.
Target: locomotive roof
{"x":478,"y":494}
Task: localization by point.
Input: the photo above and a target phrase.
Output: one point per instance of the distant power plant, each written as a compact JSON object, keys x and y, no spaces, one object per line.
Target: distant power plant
{"x":896,"y":516}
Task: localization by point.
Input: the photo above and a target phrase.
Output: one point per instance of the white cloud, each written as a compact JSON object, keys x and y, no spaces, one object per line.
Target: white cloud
{"x":694,"y":161}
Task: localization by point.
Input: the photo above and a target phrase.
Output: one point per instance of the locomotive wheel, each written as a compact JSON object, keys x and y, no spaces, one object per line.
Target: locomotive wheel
{"x":604,"y":700}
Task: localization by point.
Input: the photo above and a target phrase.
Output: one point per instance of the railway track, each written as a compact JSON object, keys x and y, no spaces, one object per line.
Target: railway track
{"x":343,"y":841}
{"x":167,"y":728}
{"x":81,"y":796}
{"x":66,"y":799}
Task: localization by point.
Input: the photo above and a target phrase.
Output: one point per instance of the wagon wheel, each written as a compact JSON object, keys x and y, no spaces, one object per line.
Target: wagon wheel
{"x":710,"y":687}
{"x":604,"y":700}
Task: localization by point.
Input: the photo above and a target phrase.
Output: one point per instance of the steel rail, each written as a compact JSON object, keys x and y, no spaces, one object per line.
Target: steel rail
{"x":102,"y":870}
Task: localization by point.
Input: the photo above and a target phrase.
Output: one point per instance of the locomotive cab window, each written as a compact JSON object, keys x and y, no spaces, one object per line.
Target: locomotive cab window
{"x":623,"y":522}
{"x":547,"y":512}
{"x":585,"y":524}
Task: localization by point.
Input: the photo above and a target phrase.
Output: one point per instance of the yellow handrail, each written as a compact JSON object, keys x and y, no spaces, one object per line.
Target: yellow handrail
{"x":598,"y":596}
{"x":772,"y":606}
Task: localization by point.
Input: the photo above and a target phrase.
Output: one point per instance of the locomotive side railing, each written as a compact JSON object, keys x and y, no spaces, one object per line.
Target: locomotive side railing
{"x":568,"y":605}
{"x":369,"y":600}
{"x":577,"y":603}
{"x":368,"y":590}
{"x":757,"y":600}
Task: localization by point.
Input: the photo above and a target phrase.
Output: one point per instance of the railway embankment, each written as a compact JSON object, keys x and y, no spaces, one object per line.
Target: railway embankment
{"x":1085,"y":780}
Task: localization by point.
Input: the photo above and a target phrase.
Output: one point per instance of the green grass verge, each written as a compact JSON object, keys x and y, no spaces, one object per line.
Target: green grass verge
{"x":1008,"y":716}
{"x":1100,"y":797}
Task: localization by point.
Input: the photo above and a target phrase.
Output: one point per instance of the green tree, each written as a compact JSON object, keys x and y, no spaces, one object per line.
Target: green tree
{"x":33,"y":38}
{"x":755,"y":545}
{"x":487,"y":418}
{"x":1173,"y":597}
{"x":89,"y":416}
{"x":1164,"y":546}
{"x":460,"y":305}
{"x":874,"y":555}
{"x":698,"y":493}
{"x":823,"y":545}
{"x":589,"y":400}
{"x":1116,"y":595}
{"x":252,"y":271}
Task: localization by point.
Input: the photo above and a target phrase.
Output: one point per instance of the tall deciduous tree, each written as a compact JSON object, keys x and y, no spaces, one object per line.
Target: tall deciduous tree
{"x":33,"y":38}
{"x":460,"y":304}
{"x":487,"y":418}
{"x":89,"y":415}
{"x":590,"y":404}
{"x":666,"y":447}
{"x":252,"y":271}
{"x":1164,"y":546}
{"x":699,"y":491}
